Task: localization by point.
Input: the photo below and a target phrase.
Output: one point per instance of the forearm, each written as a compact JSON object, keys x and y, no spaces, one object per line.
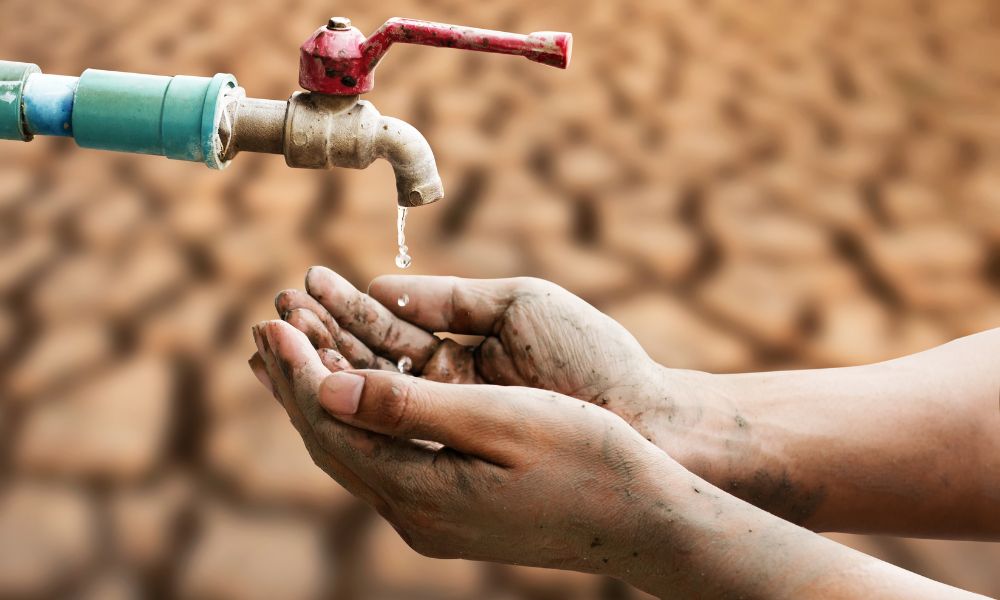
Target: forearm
{"x":697,"y":541}
{"x":909,"y":446}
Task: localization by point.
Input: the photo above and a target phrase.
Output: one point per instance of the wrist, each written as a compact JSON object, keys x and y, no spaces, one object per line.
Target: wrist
{"x":701,"y":424}
{"x":651,"y":551}
{"x":686,"y":534}
{"x":697,"y":540}
{"x":741,"y":440}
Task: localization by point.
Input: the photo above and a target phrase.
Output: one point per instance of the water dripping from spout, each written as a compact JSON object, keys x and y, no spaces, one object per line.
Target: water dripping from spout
{"x":403,"y":259}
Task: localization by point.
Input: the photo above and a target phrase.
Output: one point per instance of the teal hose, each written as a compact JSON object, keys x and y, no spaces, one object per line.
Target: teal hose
{"x":13,"y":76}
{"x":177,"y":117}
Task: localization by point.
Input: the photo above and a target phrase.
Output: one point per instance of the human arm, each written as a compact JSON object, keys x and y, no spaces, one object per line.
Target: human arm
{"x":909,"y":446}
{"x":904,"y":447}
{"x":532,"y":477}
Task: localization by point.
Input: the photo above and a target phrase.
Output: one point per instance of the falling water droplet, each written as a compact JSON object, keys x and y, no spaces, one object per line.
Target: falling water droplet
{"x":404,"y":365}
{"x":403,"y":259}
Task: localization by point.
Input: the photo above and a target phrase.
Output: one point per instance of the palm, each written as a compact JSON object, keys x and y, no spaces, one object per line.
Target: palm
{"x":533,"y":333}
{"x":556,"y":341}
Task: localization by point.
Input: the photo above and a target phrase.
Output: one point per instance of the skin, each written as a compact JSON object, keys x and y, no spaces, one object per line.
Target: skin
{"x":524,"y":476}
{"x":905,"y":447}
{"x":856,"y":449}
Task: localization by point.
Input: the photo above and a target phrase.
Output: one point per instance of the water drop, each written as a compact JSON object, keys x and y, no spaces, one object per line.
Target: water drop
{"x":404,"y":365}
{"x":403,"y":300}
{"x":403,"y":260}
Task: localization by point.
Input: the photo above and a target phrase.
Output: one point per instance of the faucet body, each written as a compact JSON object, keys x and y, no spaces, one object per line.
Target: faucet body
{"x":211,"y":120}
{"x":321,"y":131}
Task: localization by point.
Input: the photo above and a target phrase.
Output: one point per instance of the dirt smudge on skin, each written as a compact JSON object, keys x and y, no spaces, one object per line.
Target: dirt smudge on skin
{"x":779,"y":495}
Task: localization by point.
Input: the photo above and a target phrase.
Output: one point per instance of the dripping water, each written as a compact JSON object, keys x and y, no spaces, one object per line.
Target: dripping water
{"x":403,"y":261}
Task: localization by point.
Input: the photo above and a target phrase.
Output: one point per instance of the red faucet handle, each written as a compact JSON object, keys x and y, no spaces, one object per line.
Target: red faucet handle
{"x":338,"y":59}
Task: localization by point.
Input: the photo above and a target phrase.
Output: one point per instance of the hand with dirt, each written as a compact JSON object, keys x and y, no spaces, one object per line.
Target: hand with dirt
{"x":803,"y":445}
{"x":529,"y":332}
{"x":526,"y":476}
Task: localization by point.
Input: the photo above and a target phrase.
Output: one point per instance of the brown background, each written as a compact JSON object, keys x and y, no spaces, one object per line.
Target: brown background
{"x":745,"y":185}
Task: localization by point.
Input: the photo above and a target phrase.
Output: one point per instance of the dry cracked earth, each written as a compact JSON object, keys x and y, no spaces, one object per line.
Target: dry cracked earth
{"x":744,"y":185}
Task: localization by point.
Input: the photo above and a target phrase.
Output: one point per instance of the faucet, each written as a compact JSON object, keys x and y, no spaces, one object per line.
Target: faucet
{"x":211,"y":119}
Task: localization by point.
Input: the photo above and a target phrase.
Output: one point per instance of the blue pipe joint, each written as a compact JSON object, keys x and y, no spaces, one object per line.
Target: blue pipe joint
{"x":13,"y":76}
{"x":48,"y":104}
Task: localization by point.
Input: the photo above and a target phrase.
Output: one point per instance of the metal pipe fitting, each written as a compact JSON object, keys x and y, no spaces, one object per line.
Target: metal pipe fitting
{"x":320,"y":131}
{"x":253,"y":125}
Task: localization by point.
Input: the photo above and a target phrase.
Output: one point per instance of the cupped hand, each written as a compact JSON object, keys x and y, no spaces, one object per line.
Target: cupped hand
{"x":506,"y":474}
{"x":531,"y":333}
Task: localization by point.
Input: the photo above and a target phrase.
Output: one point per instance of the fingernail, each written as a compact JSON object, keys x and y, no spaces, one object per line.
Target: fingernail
{"x":340,"y":393}
{"x":279,"y":300}
{"x":308,"y":279}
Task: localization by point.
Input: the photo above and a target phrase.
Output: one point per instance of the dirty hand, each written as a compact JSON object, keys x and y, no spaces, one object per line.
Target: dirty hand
{"x":524,"y":475}
{"x":527,"y":476}
{"x":533,"y":333}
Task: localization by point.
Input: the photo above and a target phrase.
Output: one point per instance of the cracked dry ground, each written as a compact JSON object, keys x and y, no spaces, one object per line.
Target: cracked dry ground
{"x":744,"y":185}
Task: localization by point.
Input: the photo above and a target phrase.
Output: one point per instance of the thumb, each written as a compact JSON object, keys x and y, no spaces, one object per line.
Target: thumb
{"x":490,"y":422}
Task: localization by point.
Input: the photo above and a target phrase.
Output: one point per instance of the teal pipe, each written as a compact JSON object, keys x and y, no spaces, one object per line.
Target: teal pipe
{"x":13,"y":76}
{"x":177,"y":117}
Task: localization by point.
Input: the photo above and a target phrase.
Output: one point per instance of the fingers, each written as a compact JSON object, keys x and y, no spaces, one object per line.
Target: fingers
{"x":353,"y":350}
{"x":485,"y":421}
{"x":368,"y":320}
{"x":260,"y":372}
{"x":366,"y":463}
{"x":330,"y":358}
{"x":472,"y":306}
{"x":284,"y":391}
{"x":308,"y":323}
